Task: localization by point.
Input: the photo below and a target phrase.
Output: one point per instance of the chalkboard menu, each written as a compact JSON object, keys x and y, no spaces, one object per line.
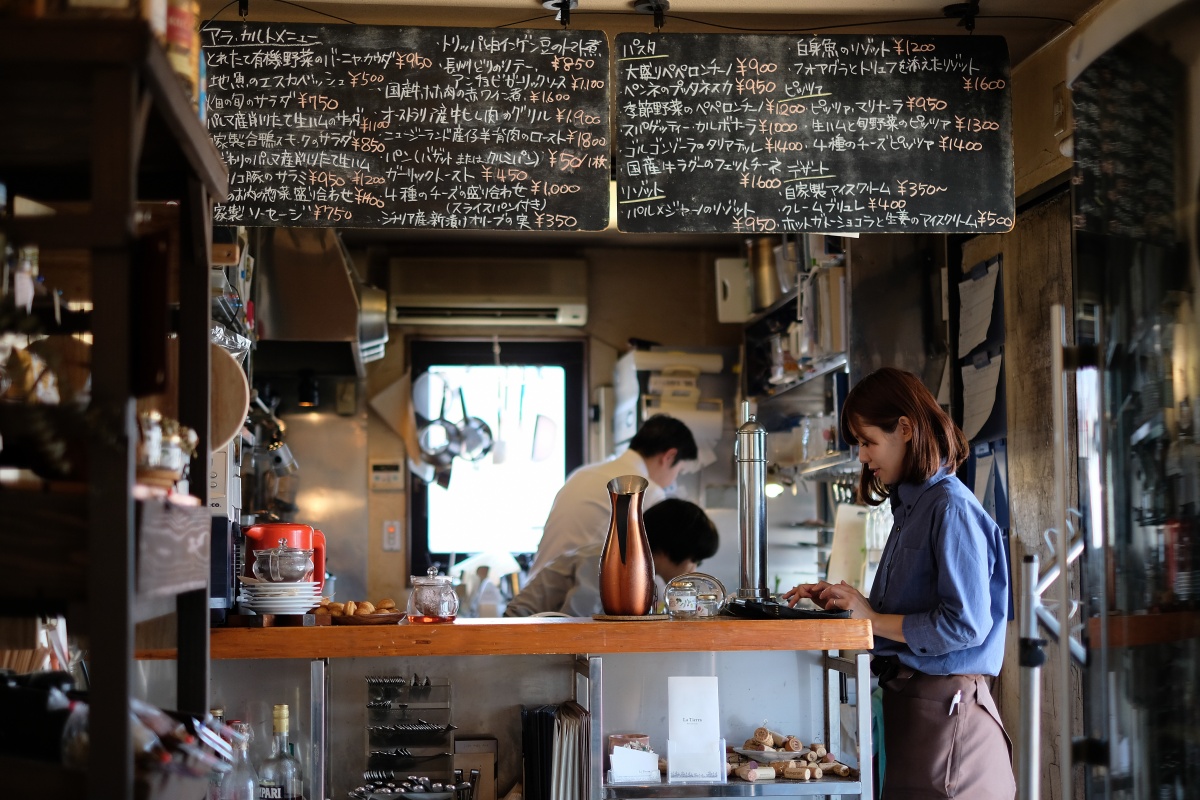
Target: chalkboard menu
{"x":763,"y":134}
{"x":1127,"y":118}
{"x":373,"y":127}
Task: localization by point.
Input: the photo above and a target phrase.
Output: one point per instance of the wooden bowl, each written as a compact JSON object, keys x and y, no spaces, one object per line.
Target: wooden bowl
{"x":370,"y":619}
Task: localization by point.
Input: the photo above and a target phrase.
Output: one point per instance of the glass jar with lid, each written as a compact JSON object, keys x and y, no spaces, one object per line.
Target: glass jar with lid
{"x":681,"y":600}
{"x":432,"y":598}
{"x":708,"y":606}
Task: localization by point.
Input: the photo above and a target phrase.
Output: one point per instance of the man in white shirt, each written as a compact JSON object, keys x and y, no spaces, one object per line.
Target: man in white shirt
{"x":681,"y":536}
{"x":581,"y":510}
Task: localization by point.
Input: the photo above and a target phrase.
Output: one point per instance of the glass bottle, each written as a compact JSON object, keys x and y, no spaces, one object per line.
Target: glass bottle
{"x":708,"y":606}
{"x":241,"y":782}
{"x":681,"y":600}
{"x":280,"y":777}
{"x":214,"y":779}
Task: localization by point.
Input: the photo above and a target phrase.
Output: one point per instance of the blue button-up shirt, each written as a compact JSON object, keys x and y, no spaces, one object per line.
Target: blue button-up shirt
{"x":944,"y":568}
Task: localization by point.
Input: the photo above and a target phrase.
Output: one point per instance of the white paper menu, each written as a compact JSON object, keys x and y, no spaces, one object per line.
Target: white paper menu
{"x":694,"y":714}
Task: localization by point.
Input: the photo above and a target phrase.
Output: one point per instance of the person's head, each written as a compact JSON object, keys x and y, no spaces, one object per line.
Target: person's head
{"x":903,"y":435}
{"x":664,"y":443}
{"x":681,"y":536}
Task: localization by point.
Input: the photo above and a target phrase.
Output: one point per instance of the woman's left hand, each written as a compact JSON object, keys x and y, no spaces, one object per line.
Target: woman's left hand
{"x":844,"y":596}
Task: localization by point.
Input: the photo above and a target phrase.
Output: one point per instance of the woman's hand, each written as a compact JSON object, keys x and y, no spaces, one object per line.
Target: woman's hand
{"x":806,"y":591}
{"x":846,"y":597}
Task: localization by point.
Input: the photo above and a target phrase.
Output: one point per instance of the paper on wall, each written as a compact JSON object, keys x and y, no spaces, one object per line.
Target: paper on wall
{"x":976,"y":298}
{"x":848,"y":555}
{"x":979,"y":395}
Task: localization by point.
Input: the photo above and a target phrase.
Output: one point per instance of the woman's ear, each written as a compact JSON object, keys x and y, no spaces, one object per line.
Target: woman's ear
{"x":904,"y":425}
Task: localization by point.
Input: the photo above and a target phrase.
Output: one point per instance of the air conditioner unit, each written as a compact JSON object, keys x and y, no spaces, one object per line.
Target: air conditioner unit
{"x":492,"y":291}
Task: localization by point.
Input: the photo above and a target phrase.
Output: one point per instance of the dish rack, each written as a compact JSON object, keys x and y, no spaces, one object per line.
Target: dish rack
{"x":409,"y":736}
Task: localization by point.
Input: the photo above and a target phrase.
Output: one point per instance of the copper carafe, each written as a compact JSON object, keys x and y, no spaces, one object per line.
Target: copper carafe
{"x":626,"y":566}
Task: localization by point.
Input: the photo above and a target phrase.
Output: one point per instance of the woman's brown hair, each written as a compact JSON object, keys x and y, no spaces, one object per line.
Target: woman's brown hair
{"x":880,"y":400}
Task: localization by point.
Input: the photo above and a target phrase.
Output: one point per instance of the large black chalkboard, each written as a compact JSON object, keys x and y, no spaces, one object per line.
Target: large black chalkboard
{"x":451,"y":128}
{"x":761,"y":134}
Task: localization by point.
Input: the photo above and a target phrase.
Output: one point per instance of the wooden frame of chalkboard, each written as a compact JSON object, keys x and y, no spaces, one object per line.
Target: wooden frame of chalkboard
{"x":761,"y":134}
{"x":373,"y":127}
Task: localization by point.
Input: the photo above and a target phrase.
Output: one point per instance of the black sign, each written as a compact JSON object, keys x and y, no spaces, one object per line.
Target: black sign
{"x":1127,"y":110}
{"x":762,"y":134}
{"x":450,"y":128}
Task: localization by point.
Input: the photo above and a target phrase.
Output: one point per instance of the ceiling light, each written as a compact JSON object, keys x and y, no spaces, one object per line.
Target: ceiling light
{"x":656,"y":7}
{"x":563,"y":9}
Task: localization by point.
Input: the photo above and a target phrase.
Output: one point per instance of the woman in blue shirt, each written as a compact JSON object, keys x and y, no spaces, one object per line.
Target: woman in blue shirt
{"x":939,"y":603}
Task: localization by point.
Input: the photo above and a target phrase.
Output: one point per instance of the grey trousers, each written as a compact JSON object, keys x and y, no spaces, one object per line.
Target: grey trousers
{"x":936,"y":748}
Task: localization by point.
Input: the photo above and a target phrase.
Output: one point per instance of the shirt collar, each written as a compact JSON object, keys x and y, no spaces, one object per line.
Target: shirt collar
{"x":906,"y":494}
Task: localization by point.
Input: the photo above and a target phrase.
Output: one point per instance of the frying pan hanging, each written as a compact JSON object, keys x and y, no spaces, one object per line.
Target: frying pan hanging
{"x":439,"y":439}
{"x":475,"y":435}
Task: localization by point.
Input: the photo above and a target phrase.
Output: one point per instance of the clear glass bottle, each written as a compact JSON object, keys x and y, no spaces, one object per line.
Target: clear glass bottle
{"x":240,"y":783}
{"x":681,"y":600}
{"x":214,"y":779}
{"x":708,"y":606}
{"x":280,"y":777}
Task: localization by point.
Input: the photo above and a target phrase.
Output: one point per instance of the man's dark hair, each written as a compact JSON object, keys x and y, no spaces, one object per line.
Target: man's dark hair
{"x":659,"y":434}
{"x":681,"y":530}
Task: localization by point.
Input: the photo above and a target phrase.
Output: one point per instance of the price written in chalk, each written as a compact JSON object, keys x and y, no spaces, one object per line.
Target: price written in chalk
{"x":765,"y":133}
{"x":446,"y":128}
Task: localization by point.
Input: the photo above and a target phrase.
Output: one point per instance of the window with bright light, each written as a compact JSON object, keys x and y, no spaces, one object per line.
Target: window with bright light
{"x":523,"y":427}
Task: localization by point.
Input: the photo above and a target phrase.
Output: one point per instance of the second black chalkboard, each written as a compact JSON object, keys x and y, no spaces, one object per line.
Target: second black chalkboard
{"x":763,"y":134}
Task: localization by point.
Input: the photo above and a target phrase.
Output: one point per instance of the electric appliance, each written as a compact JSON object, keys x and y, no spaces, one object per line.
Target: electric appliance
{"x":487,"y":291}
{"x":267,"y":535}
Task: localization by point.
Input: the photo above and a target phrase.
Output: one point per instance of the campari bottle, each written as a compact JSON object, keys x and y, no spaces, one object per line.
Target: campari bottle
{"x":279,"y":777}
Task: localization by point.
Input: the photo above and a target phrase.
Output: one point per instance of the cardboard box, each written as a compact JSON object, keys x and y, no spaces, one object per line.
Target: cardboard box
{"x":478,"y":752}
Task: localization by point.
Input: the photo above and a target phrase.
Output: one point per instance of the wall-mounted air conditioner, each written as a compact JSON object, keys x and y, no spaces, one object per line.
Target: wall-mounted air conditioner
{"x":492,"y":291}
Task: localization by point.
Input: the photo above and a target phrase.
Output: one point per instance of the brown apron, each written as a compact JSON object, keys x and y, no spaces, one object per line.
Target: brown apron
{"x":933,"y":753}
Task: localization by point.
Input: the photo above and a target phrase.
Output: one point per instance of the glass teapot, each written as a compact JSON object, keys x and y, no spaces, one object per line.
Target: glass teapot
{"x":432,"y":598}
{"x":283,"y":564}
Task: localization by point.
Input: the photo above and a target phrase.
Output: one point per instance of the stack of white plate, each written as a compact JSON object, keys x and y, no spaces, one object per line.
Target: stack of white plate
{"x":280,"y":598}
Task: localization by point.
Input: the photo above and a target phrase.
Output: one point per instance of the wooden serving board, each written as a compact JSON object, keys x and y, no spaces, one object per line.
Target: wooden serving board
{"x":277,"y":620}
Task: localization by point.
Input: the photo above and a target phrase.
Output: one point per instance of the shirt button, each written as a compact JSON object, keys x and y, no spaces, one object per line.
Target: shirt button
{"x":923,"y":650}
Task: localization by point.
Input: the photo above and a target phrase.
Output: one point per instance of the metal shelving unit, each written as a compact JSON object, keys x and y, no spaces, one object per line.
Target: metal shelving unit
{"x":590,"y":676}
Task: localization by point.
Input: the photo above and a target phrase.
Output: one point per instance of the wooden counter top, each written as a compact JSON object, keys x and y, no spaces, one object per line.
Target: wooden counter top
{"x":477,"y":637}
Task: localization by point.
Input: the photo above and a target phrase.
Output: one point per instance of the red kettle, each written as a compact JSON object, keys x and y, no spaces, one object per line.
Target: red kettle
{"x":267,"y":535}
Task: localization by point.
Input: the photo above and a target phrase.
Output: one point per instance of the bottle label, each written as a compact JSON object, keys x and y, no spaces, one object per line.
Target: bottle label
{"x":276,"y":793}
{"x":682,"y":602}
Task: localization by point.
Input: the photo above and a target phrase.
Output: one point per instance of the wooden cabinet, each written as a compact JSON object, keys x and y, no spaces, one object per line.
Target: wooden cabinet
{"x":95,"y":125}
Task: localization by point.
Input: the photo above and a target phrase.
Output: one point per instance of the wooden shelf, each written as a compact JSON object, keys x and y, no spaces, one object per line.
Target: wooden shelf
{"x":1138,"y":630}
{"x":25,"y":777}
{"x":540,"y":636}
{"x":49,"y":68}
{"x":824,"y":787}
{"x":45,"y":537}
